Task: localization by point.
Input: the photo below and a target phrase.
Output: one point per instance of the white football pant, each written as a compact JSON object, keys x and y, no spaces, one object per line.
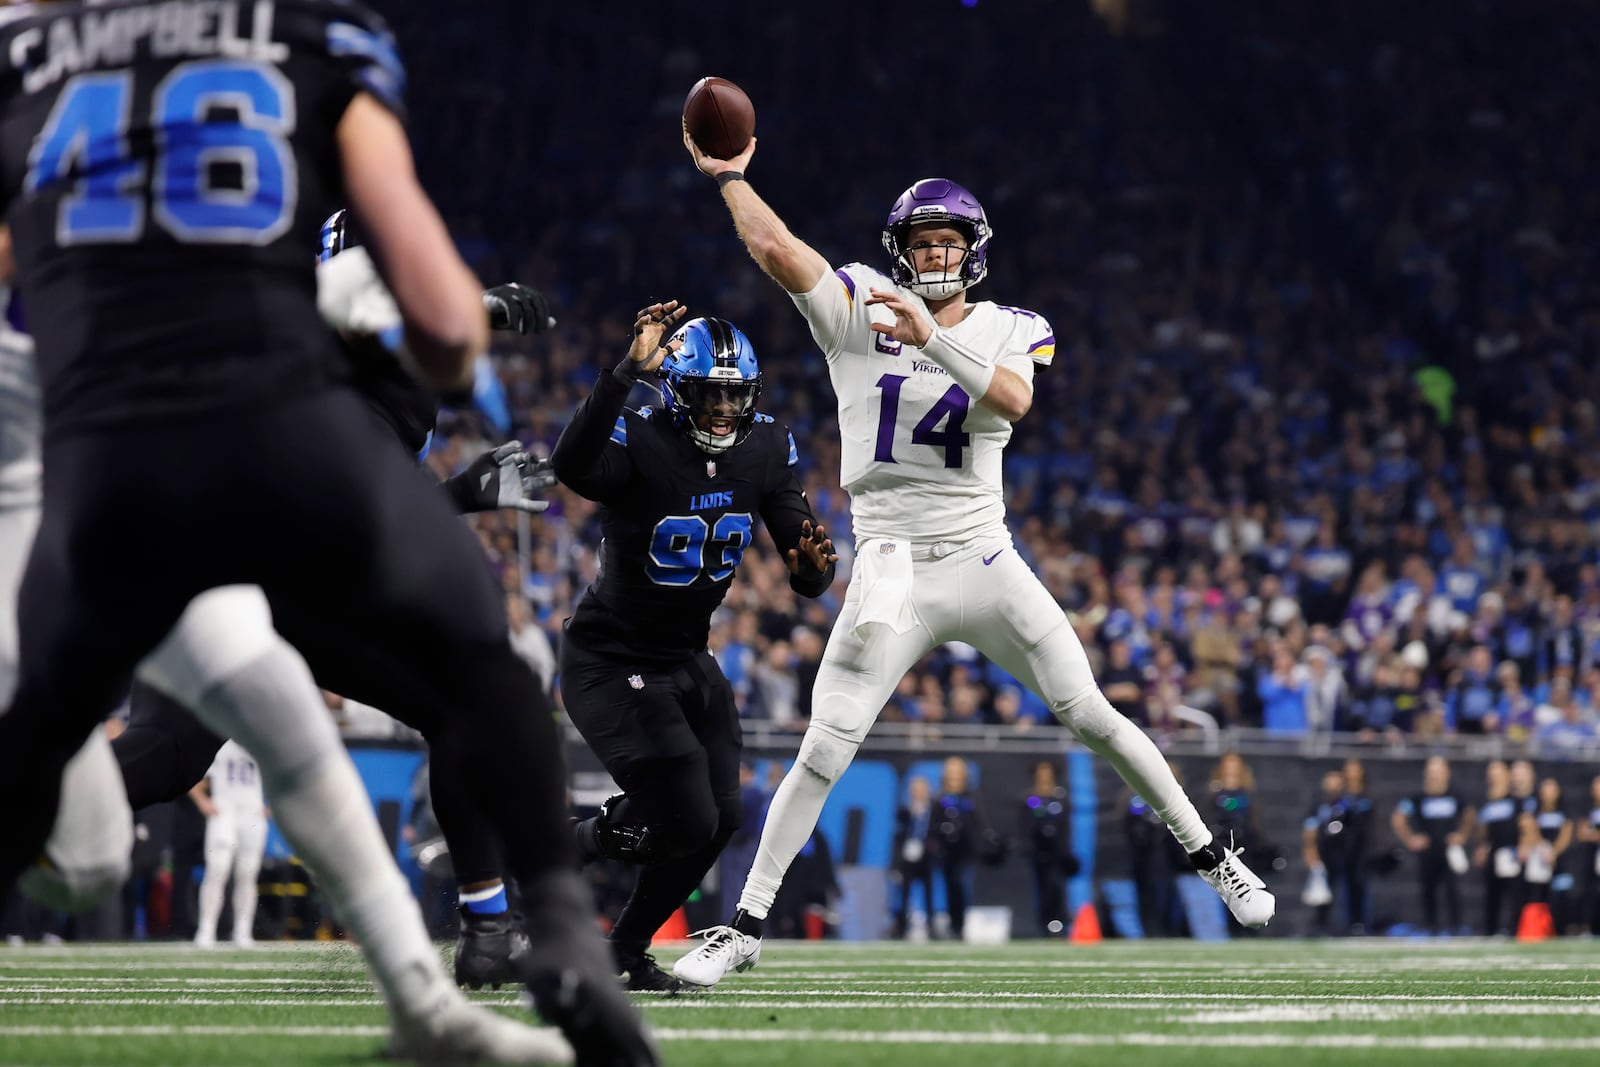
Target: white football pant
{"x":235,"y":841}
{"x":980,"y":592}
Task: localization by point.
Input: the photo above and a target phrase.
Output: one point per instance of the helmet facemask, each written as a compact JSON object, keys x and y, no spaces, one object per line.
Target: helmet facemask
{"x":932,"y":284}
{"x":699,"y":404}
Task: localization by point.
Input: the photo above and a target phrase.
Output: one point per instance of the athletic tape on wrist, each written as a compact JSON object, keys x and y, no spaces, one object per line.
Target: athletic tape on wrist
{"x":966,"y":367}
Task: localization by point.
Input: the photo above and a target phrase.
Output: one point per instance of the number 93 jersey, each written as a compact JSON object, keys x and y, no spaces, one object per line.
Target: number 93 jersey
{"x":920,"y":458}
{"x":676,"y":522}
{"x":165,"y":166}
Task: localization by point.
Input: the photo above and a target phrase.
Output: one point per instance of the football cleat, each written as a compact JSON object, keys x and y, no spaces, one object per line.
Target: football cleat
{"x":571,"y":977}
{"x":449,"y":1030}
{"x":1245,"y":894}
{"x":490,"y":950}
{"x":639,"y":973}
{"x":725,"y":949}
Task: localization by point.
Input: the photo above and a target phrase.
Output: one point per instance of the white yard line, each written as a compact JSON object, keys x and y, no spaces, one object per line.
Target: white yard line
{"x":1206,"y":1010}
{"x":981,"y":997}
{"x":194,"y":1031}
{"x":1368,"y":1041}
{"x":189,"y":1002}
{"x":870,"y":1037}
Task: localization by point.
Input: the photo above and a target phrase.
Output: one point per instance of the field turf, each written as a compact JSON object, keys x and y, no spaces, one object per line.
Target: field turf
{"x":1262,"y":1002}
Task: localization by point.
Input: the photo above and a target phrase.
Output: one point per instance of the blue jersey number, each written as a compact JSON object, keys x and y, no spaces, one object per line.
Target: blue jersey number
{"x":678,"y":548}
{"x":205,"y":115}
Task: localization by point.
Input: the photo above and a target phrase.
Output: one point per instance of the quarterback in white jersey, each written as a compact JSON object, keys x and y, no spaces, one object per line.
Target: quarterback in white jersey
{"x":928,"y":386}
{"x":231,"y":799}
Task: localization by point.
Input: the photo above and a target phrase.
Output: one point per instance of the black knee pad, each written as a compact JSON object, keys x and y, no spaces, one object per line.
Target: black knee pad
{"x":656,"y":826}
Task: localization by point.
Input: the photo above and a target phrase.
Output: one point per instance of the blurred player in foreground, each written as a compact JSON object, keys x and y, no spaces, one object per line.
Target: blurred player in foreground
{"x":928,"y":387}
{"x":187,"y":378}
{"x":165,"y":749}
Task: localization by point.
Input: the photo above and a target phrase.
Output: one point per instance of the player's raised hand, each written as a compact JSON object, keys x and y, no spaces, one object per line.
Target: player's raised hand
{"x":712,"y":166}
{"x":653,"y":323}
{"x":504,"y":477}
{"x":910,"y":325}
{"x":814,"y":548}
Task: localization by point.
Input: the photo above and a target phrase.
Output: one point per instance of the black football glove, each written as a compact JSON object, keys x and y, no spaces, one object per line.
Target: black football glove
{"x":517,"y":307}
{"x":504,"y":477}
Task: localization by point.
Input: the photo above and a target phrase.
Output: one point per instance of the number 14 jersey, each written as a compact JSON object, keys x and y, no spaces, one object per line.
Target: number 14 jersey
{"x":921,"y":460}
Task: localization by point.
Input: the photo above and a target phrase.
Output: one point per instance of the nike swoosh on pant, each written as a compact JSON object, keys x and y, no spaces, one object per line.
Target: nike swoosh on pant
{"x":990,"y":559}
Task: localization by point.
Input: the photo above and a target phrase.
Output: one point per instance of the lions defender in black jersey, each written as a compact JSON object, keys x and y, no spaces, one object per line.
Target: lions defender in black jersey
{"x":165,"y":749}
{"x":164,"y":165}
{"x":681,"y":488}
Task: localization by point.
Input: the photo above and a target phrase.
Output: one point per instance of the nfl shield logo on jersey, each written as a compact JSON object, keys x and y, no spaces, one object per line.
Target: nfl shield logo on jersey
{"x":886,"y":549}
{"x":711,"y":468}
{"x":636,"y":681}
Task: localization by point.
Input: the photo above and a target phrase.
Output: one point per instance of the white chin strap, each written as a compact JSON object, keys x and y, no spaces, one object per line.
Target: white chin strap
{"x":707,"y":441}
{"x":937,"y":284}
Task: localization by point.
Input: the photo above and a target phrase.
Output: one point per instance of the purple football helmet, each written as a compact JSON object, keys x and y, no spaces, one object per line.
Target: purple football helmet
{"x":937,"y":200}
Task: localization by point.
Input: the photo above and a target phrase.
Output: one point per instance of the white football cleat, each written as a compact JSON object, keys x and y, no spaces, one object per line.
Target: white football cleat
{"x":454,"y":1031}
{"x":1240,"y":889}
{"x":725,"y":949}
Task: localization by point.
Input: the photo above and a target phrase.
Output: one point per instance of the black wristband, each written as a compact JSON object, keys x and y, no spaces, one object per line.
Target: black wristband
{"x":630,"y":373}
{"x":729,"y":176}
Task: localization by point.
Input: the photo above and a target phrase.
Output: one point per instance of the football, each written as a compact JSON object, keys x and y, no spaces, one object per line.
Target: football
{"x":719,"y":117}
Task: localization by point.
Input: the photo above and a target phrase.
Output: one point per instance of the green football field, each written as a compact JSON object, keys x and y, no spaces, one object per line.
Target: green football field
{"x":1249,"y":1002}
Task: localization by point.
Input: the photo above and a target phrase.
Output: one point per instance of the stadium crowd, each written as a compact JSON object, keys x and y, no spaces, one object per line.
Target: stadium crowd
{"x":1319,"y":450}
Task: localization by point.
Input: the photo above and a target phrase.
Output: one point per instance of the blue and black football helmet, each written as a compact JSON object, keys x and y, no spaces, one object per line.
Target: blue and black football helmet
{"x":714,"y":373}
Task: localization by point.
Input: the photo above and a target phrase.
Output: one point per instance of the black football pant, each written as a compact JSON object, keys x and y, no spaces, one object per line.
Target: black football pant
{"x":671,"y":738}
{"x":1438,"y":879}
{"x":367,"y":568}
{"x":1499,"y":894}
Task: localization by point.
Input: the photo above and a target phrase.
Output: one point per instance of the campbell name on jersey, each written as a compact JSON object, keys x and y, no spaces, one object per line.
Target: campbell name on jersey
{"x":166,"y":166}
{"x":920,"y":459}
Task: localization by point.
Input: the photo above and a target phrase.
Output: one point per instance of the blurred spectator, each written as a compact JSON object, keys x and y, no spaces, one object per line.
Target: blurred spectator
{"x":1589,"y":834}
{"x":1124,"y":684}
{"x":1283,"y":694}
{"x":1326,"y":694}
{"x":1573,"y":731}
{"x":1435,"y":825}
{"x":1358,"y":811}
{"x":958,"y":829}
{"x":1325,"y":837}
{"x":1155,"y":859}
{"x":1498,"y":832}
{"x":912,"y":864}
{"x":1546,"y":836}
{"x":1233,"y":816}
{"x":1042,"y":827}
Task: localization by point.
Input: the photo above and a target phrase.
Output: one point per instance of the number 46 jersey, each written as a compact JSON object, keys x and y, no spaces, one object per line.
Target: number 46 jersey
{"x":921,"y":459}
{"x":168,"y":163}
